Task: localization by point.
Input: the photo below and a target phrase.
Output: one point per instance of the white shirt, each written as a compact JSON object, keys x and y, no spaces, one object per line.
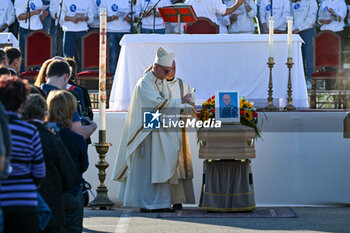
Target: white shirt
{"x":21,"y":7}
{"x":71,"y":8}
{"x":223,"y":22}
{"x":280,"y":11}
{"x":7,"y":13}
{"x":145,"y":5}
{"x":208,"y":8}
{"x":304,"y":14}
{"x":95,"y":4}
{"x":55,"y":9}
{"x":115,"y":7}
{"x":245,"y":20}
{"x":340,"y":9}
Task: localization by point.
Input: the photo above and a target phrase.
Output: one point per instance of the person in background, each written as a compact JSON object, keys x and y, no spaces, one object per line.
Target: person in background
{"x":14,"y":60}
{"x":19,"y":190}
{"x":3,"y":59}
{"x":5,"y":151}
{"x":56,"y":29}
{"x":304,"y":14}
{"x":62,"y":105}
{"x":331,"y":15}
{"x":7,"y":15}
{"x":280,"y":11}
{"x":35,"y":17}
{"x":116,"y":28}
{"x":242,"y":20}
{"x":211,"y":8}
{"x":13,"y":28}
{"x":60,"y":168}
{"x":75,"y":17}
{"x":86,"y":96}
{"x":58,"y":75}
{"x":95,"y":24}
{"x":141,"y":7}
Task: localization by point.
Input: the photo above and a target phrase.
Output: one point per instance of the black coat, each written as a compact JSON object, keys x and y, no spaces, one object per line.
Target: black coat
{"x":60,"y":174}
{"x":5,"y":138}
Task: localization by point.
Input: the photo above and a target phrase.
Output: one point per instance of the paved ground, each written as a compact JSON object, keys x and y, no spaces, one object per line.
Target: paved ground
{"x":332,"y":219}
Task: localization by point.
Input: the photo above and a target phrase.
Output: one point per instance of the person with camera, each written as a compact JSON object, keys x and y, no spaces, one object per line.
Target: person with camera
{"x":62,"y":105}
{"x":58,"y":74}
{"x":61,"y":174}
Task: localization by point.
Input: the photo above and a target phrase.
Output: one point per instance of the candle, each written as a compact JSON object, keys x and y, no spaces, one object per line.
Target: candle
{"x":102,"y":68}
{"x":290,"y":26}
{"x":271,"y":22}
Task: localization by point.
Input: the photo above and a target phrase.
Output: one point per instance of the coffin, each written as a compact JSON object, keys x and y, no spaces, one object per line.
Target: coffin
{"x":231,"y":141}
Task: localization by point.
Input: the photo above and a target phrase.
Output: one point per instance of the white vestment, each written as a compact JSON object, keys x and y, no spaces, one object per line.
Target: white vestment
{"x":154,"y":166}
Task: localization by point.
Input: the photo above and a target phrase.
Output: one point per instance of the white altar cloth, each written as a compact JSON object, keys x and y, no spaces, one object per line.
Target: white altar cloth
{"x":6,"y":37}
{"x":214,"y":62}
{"x":301,"y":160}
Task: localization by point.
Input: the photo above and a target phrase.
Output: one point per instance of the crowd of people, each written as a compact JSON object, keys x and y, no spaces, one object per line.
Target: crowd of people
{"x":69,"y":21}
{"x":44,"y":136}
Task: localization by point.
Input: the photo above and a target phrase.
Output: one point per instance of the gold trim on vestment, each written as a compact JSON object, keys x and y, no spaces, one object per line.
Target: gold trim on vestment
{"x":123,"y":172}
{"x":133,"y":138}
{"x":240,"y":209}
{"x":184,"y":151}
{"x":161,"y":106}
{"x":234,"y":194}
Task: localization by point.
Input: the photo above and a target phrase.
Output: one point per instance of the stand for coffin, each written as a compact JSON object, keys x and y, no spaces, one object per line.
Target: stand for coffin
{"x":227,"y":174}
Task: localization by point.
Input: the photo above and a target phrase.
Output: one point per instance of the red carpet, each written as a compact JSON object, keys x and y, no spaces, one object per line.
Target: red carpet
{"x":262,"y":212}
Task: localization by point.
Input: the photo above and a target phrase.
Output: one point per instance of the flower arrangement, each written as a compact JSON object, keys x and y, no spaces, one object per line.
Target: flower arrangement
{"x":208,"y":110}
{"x":248,"y":114}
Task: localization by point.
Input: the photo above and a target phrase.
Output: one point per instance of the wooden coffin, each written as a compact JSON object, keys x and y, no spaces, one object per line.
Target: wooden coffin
{"x":231,"y":141}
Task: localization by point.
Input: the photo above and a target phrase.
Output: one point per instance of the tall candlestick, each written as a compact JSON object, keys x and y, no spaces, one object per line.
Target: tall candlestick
{"x":290,"y":26}
{"x":102,"y":70}
{"x":271,"y":22}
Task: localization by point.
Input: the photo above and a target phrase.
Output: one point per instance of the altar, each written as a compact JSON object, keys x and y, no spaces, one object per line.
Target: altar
{"x":8,"y":38}
{"x":214,"y":62}
{"x":301,"y":160}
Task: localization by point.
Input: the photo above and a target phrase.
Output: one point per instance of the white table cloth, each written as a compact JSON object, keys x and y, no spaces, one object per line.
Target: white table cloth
{"x":214,"y":62}
{"x":8,"y":38}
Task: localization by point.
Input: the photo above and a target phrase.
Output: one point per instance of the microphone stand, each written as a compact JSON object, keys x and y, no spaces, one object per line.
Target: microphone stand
{"x":59,"y":13}
{"x":271,"y":8}
{"x":58,"y":33}
{"x":153,"y":8}
{"x":132,"y":17}
{"x":28,"y":16}
{"x":141,"y":17}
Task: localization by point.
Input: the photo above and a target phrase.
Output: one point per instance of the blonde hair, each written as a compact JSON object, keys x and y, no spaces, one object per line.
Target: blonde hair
{"x":62,"y":105}
{"x":40,"y":78}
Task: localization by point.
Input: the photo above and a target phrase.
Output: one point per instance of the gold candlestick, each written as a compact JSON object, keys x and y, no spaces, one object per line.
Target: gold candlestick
{"x":102,"y":201}
{"x":270,"y":106}
{"x":290,"y":106}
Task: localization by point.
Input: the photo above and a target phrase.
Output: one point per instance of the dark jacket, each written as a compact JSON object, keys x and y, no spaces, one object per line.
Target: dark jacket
{"x":5,"y":141}
{"x":76,"y":145}
{"x":60,"y":174}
